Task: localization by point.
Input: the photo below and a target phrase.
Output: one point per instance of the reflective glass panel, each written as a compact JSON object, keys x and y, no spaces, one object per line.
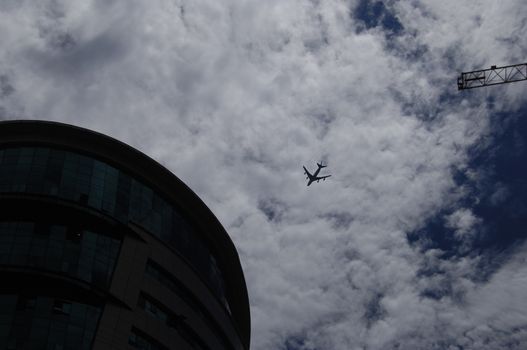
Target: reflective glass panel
{"x":87,"y":255}
{"x":43,"y":322}
{"x":87,"y":181}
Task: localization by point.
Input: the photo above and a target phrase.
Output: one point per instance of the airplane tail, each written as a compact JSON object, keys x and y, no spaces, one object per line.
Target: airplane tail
{"x":321,"y":166}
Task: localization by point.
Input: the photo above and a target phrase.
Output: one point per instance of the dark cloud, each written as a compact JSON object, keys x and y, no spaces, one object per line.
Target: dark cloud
{"x":6,"y":88}
{"x":63,"y":42}
{"x":65,"y":57}
{"x":297,"y":343}
{"x":322,"y":121}
{"x":374,"y":310}
{"x":340,"y":220}
{"x":273,"y":209}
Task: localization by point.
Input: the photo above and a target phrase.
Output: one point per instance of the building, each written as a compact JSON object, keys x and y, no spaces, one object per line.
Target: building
{"x":101,"y":247}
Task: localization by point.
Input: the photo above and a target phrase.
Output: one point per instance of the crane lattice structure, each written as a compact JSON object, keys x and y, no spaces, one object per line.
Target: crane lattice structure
{"x":493,"y":76}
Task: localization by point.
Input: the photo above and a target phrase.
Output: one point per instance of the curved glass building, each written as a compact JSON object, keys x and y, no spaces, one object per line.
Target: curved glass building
{"x":101,"y":247}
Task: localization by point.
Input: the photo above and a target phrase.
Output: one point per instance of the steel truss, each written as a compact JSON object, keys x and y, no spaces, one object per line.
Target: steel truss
{"x":493,"y":76}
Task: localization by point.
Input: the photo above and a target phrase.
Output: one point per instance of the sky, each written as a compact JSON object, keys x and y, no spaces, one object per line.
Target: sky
{"x":418,"y":239}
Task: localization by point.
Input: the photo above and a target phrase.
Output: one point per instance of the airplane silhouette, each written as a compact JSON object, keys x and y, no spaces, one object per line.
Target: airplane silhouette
{"x":315,"y":177}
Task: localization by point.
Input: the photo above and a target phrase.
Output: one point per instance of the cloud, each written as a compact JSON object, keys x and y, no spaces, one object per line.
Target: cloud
{"x":236,"y":96}
{"x":462,"y":221}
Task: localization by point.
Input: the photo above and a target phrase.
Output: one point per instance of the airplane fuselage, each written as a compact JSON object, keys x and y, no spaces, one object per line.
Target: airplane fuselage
{"x":314,"y":177}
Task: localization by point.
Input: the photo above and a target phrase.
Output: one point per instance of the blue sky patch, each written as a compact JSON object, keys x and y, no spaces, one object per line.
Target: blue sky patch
{"x":498,"y":197}
{"x":375,"y":14}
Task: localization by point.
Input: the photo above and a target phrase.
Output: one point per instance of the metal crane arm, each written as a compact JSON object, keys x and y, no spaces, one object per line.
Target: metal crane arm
{"x":493,"y":76}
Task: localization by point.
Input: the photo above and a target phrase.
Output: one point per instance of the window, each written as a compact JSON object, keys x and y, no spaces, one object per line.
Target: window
{"x":87,"y":181}
{"x":42,"y":322}
{"x":165,"y":278}
{"x":25,"y":303}
{"x":74,"y":234}
{"x":191,"y":337}
{"x":79,"y":253}
{"x":61,"y":307}
{"x":154,"y":308}
{"x":177,"y":322}
{"x":140,"y":340}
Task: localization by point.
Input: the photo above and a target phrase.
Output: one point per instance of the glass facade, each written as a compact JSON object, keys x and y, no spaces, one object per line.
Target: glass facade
{"x":140,"y":340}
{"x":157,"y":273}
{"x":42,"y":323}
{"x":87,"y":181}
{"x":160,"y":312}
{"x":81,"y":254}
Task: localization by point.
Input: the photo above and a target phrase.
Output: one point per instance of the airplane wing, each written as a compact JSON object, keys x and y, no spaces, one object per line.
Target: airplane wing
{"x":322,"y":177}
{"x":306,"y":172}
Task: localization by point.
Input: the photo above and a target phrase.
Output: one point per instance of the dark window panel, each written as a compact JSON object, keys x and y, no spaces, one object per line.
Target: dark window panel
{"x":39,"y":329}
{"x":94,"y":183}
{"x":140,"y":340}
{"x":171,"y":282}
{"x":49,"y":326}
{"x":90,"y":256}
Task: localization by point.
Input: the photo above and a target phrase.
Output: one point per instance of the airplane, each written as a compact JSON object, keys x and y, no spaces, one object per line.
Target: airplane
{"x":314,"y":177}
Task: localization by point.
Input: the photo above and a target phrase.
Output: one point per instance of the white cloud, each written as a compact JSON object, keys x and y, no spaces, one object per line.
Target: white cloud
{"x":463,"y":222}
{"x":235,"y":96}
